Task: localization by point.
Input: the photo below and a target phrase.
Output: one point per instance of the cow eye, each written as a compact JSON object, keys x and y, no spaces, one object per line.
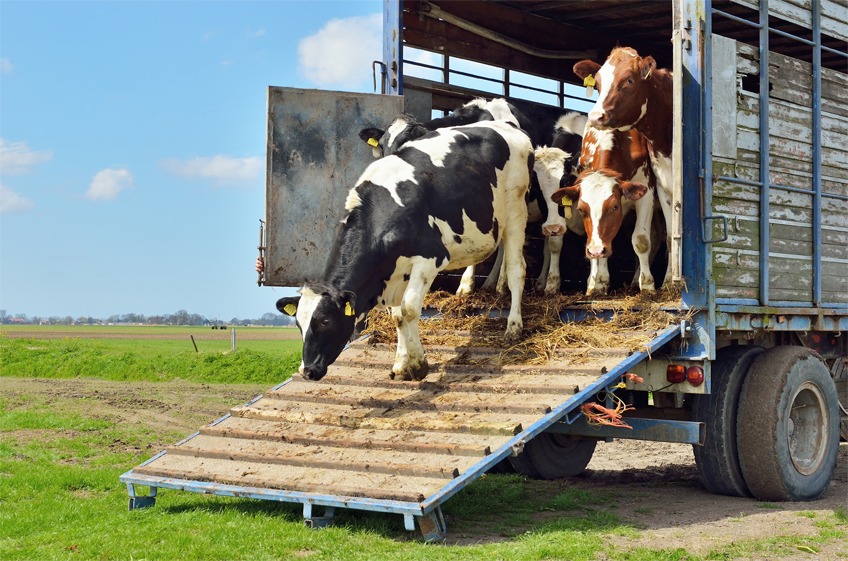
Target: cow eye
{"x":325,"y":322}
{"x":615,"y":208}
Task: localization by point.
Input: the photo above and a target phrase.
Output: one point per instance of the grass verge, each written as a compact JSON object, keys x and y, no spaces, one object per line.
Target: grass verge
{"x":119,"y":361}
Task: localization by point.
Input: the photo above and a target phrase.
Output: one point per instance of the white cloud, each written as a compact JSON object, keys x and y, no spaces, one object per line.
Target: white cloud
{"x":259,"y":33}
{"x":224,"y":170}
{"x":17,"y":157}
{"x":12,"y":203}
{"x":342,"y":51}
{"x":6,"y":66}
{"x":108,"y":183}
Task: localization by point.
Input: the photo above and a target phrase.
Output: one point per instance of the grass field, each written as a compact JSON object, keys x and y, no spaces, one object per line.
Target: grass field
{"x":76,"y":413}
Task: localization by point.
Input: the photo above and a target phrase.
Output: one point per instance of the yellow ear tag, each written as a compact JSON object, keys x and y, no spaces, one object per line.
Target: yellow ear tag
{"x":568,"y":213}
{"x":648,"y":74}
{"x":348,"y":310}
{"x":566,"y":201}
{"x":589,"y":82}
{"x":373,"y":142}
{"x":290,"y":309}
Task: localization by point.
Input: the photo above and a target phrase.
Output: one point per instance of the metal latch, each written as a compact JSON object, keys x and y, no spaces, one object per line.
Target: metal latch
{"x":704,"y":229}
{"x":261,"y":248}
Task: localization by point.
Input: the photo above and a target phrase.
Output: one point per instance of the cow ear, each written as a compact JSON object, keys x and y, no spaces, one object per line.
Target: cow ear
{"x":372,"y":134}
{"x":647,"y":66}
{"x":633,"y":191}
{"x":586,"y":68}
{"x":571,"y":193}
{"x":416,"y":131}
{"x":346,"y":301}
{"x":288,"y":305}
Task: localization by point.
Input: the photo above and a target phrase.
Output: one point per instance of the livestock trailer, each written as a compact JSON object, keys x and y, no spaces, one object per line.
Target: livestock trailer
{"x":759,"y":248}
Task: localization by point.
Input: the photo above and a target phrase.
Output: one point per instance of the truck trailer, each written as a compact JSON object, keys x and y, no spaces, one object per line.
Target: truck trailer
{"x":755,"y":372}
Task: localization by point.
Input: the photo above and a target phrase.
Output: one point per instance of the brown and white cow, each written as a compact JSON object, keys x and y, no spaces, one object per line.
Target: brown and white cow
{"x":616,"y":179}
{"x":635,"y":94}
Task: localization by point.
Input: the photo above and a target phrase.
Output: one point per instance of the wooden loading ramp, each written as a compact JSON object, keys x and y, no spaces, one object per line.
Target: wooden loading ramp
{"x":357,"y":439}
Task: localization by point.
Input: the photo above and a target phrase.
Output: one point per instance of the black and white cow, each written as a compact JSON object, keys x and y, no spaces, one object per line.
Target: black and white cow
{"x":443,"y":201}
{"x":406,"y":127}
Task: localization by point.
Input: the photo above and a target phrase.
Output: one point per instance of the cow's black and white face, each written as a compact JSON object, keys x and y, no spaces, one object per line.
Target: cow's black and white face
{"x":326,"y":320}
{"x":385,"y":143}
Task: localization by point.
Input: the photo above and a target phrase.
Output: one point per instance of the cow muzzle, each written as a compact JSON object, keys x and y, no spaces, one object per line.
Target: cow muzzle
{"x":598,"y":119}
{"x":553,"y":230}
{"x":596,"y":252}
{"x":313,"y":373}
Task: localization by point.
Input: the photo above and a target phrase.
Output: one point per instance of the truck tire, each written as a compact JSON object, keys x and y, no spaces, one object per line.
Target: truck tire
{"x":717,"y":459}
{"x":788,"y":426}
{"x":839,"y":373}
{"x":553,"y":456}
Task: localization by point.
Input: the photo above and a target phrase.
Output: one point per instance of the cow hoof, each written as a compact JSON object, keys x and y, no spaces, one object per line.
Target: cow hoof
{"x":420,"y":373}
{"x":597,"y":291}
{"x":513,"y":334}
{"x":464,"y":290}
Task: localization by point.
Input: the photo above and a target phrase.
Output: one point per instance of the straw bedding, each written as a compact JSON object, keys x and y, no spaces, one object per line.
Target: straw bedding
{"x":463,"y":321}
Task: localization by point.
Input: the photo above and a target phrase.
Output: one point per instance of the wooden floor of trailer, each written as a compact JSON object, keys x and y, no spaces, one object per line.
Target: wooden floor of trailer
{"x":357,"y":433}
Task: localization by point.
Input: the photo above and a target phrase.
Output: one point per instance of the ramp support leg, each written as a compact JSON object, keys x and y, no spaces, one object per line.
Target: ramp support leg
{"x":137,"y":502}
{"x":432,"y":525}
{"x":318,"y":521}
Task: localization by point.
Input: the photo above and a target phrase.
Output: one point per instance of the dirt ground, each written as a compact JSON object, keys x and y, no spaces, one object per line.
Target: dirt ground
{"x":655,"y":484}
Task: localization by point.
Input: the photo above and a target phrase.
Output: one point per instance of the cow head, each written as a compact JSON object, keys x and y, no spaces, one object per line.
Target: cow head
{"x":622,"y":84}
{"x":554,"y":171}
{"x":599,"y":195}
{"x":385,"y":143}
{"x":326,"y":319}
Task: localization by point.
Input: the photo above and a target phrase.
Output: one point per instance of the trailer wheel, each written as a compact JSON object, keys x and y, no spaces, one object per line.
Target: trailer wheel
{"x":717,"y":460}
{"x":839,"y":373}
{"x":553,"y":456}
{"x":788,"y":429}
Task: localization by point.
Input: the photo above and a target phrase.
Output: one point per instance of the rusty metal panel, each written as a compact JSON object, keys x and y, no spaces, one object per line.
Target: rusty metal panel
{"x":313,"y":157}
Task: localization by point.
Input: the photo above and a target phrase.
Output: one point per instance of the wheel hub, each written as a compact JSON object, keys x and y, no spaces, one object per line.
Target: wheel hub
{"x":807,"y":428}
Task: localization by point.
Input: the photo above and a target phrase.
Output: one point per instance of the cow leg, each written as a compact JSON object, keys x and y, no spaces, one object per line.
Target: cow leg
{"x":554,"y":246}
{"x":665,"y":204}
{"x":412,"y":365}
{"x":515,"y":272}
{"x":641,"y":240}
{"x":402,"y":354}
{"x":466,"y":285}
{"x":542,"y":281}
{"x":494,"y":276}
{"x":598,"y":277}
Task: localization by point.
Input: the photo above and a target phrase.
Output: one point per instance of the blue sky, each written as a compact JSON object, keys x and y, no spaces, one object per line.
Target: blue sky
{"x":133,"y":146}
{"x":132,"y":160}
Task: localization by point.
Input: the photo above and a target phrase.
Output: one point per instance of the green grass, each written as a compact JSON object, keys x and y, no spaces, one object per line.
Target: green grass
{"x":149,"y":329}
{"x":123,"y":361}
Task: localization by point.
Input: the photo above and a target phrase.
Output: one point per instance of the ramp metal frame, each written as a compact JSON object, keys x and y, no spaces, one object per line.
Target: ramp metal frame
{"x":428,"y":512}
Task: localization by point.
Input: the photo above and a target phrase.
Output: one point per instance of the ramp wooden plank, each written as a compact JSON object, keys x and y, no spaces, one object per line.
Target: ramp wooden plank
{"x":439,"y":463}
{"x":367,"y":419}
{"x":313,"y":460}
{"x":302,"y":433}
{"x":294,"y":478}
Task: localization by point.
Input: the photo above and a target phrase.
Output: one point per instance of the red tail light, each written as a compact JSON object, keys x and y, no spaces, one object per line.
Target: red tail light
{"x":675,"y":374}
{"x":695,"y":375}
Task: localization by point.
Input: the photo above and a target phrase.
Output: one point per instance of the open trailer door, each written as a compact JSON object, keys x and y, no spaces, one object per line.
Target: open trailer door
{"x":313,"y":157}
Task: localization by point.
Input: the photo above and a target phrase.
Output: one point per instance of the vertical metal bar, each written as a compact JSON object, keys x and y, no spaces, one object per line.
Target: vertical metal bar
{"x":393,"y":45}
{"x":688,"y":20}
{"x":817,"y":156}
{"x":506,"y":82}
{"x":561,"y":94}
{"x":446,"y":70}
{"x":707,"y":159}
{"x":764,"y":152}
{"x":234,"y":338}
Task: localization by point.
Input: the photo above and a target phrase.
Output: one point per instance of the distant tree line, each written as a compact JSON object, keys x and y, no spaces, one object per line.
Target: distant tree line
{"x":181,"y":317}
